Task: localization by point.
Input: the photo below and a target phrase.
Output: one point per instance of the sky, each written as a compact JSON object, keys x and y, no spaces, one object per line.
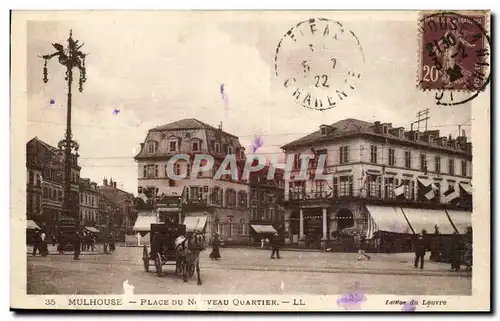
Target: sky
{"x":160,"y":67}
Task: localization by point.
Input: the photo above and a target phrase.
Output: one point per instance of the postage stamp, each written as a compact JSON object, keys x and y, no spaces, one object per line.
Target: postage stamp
{"x":319,"y":61}
{"x":454,"y":54}
{"x":227,"y":204}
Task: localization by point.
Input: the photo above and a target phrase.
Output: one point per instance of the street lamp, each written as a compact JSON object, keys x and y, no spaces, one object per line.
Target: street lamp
{"x":70,"y":57}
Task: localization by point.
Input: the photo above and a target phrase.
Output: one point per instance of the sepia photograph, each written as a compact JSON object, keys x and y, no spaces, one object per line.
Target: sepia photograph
{"x":251,"y":160}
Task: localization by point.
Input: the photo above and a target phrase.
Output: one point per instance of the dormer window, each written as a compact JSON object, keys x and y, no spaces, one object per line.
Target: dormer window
{"x":230,"y":150}
{"x":242,"y":153}
{"x":195,"y":146}
{"x":172,"y":146}
{"x":417,"y":136}
{"x":152,"y":146}
{"x":401,"y":133}
{"x":323,"y":130}
{"x":217,"y":147}
{"x":431,"y":138}
{"x":385,"y":129}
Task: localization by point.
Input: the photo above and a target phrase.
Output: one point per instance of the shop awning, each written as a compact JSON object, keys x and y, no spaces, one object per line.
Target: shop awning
{"x":467,"y":188}
{"x":31,"y":225}
{"x":461,"y":220}
{"x":388,"y":219}
{"x":168,"y":209}
{"x":195,"y":223}
{"x":426,"y":219}
{"x":260,"y":229}
{"x":144,"y":221}
{"x":92,"y":229}
{"x":426,"y":182}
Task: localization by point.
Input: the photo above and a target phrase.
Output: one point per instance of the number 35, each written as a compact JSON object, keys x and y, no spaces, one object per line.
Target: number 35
{"x":50,"y":302}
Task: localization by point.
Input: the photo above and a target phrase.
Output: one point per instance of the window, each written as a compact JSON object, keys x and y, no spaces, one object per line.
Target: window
{"x":344,"y":186}
{"x":296,"y":162}
{"x":417,"y":136}
{"x":401,"y":133}
{"x":240,"y":227}
{"x":177,"y":169}
{"x":437,"y":161}
{"x":319,"y":188}
{"x":54,"y":194}
{"x":373,"y":154}
{"x":423,"y":162}
{"x":242,"y":199}
{"x":344,"y":154}
{"x":230,"y":150}
{"x":409,"y":189}
{"x":220,"y":228}
{"x":172,"y":146}
{"x":298,"y":189}
{"x":92,"y":201}
{"x":437,"y":192}
{"x":272,"y":214}
{"x":373,"y":186}
{"x":389,"y":186}
{"x":150,"y":171}
{"x":31,"y":179}
{"x":188,"y":170}
{"x":39,"y":179}
{"x":242,"y":153}
{"x":464,"y":168}
{"x":217,"y":147}
{"x":323,"y":130}
{"x":451,"y":166}
{"x":195,"y":146}
{"x":408,"y":159}
{"x":81,"y":198}
{"x":230,"y":198}
{"x":392,"y":159}
{"x":384,"y":129}
{"x":152,"y":146}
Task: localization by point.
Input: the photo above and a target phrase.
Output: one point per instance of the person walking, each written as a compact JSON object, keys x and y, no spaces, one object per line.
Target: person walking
{"x":36,"y":242}
{"x":419,"y":251}
{"x":43,"y":244}
{"x":457,"y":249}
{"x":215,"y":254}
{"x":77,"y":245}
{"x":362,"y":247}
{"x":275,"y":243}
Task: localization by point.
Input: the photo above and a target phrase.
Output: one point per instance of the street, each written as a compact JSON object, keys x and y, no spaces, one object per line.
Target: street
{"x":246,"y":271}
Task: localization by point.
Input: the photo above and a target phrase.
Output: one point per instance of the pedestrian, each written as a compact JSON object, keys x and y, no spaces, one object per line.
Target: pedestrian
{"x":457,"y":248}
{"x":77,"y":245}
{"x":43,"y":244}
{"x":54,"y":240}
{"x":111,"y":242}
{"x":215,"y":254}
{"x":261,"y":242}
{"x":36,"y":242}
{"x":275,"y":243}
{"x":419,"y":250}
{"x":361,"y":248}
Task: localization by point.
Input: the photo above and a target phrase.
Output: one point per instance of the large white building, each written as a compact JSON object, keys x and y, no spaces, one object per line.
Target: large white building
{"x":384,"y":179}
{"x":221,"y":205}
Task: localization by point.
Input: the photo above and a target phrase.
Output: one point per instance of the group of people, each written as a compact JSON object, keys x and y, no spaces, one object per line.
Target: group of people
{"x":40,"y":243}
{"x":275,"y":243}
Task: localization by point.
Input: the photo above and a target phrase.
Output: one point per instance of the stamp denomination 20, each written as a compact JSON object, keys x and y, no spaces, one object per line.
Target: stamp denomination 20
{"x":319,"y":61}
{"x":454,"y":56}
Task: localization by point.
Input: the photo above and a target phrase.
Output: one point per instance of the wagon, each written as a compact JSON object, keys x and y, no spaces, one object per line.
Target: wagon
{"x":162,"y":250}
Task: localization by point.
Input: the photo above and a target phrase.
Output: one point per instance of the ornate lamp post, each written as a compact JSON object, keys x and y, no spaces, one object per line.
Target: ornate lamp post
{"x":70,"y":57}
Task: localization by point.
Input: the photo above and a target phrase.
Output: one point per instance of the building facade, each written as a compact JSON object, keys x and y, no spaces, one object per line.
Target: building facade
{"x":45,"y":167}
{"x":266,"y":203}
{"x":89,"y":203}
{"x":222,"y":203}
{"x":124,"y":201}
{"x":416,"y":180}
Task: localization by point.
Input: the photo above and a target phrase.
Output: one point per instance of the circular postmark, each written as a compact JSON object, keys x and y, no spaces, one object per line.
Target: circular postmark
{"x":455,"y":50}
{"x":319,"y":61}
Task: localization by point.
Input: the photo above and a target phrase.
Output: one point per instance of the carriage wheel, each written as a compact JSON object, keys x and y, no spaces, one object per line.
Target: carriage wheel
{"x":158,"y":264}
{"x":145,"y":258}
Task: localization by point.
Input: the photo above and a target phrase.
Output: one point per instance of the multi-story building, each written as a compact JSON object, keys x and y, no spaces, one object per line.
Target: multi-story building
{"x":48,"y":161}
{"x":124,"y":201}
{"x":108,"y":211}
{"x":384,"y":179}
{"x":221,"y":204}
{"x":266,"y":203}
{"x":89,"y":203}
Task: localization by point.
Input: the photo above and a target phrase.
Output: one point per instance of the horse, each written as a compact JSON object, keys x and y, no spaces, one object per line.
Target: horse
{"x":188,"y":250}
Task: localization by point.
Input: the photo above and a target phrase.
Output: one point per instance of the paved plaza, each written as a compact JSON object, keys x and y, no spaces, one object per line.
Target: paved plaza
{"x":246,"y":271}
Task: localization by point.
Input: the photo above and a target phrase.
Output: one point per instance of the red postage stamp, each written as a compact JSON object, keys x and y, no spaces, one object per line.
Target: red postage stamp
{"x":454,"y":51}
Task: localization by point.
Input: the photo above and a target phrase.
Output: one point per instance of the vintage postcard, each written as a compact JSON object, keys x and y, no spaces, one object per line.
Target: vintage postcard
{"x":251,"y":161}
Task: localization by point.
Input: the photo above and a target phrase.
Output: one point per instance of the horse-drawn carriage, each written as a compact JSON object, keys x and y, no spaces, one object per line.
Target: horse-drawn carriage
{"x":170,"y":244}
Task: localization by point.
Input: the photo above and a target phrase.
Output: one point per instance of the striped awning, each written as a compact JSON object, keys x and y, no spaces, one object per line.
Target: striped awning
{"x":427,"y":219}
{"x":467,"y":188}
{"x":387,"y":219}
{"x":460,"y":219}
{"x":260,"y":229}
{"x":31,"y":225}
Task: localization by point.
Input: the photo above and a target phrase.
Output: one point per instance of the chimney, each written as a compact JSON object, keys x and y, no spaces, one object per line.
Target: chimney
{"x":377,"y":126}
{"x":220,"y":126}
{"x":105,"y":182}
{"x":114,"y":184}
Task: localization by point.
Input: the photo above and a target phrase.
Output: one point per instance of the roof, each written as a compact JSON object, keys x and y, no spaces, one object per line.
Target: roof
{"x":351,"y":126}
{"x":189,"y":123}
{"x":44,"y":144}
{"x":342,"y":127}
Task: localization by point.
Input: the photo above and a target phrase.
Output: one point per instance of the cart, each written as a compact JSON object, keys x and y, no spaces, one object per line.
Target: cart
{"x":162,"y":251}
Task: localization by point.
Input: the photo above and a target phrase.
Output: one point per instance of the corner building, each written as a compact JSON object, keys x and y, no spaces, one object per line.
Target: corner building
{"x":387,"y":182}
{"x":216,"y":206}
